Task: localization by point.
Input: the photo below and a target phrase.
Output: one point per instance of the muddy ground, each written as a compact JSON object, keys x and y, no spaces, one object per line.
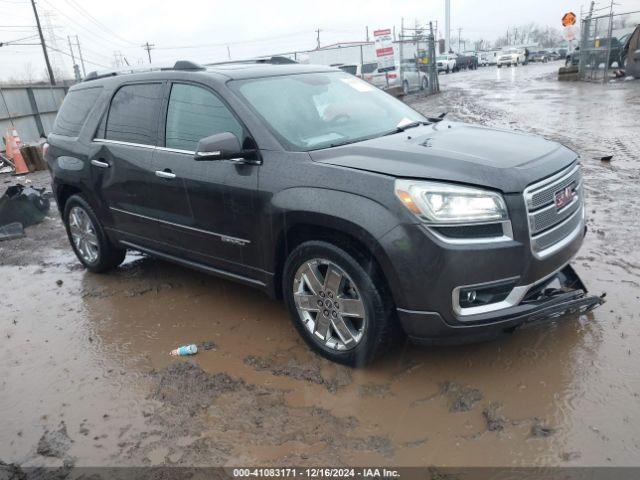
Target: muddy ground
{"x":86,"y":379}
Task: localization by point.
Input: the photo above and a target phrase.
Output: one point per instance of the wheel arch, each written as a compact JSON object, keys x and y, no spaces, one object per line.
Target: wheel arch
{"x":343,"y":233}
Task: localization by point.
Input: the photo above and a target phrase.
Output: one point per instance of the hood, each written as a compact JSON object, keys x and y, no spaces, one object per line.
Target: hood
{"x":456,"y":152}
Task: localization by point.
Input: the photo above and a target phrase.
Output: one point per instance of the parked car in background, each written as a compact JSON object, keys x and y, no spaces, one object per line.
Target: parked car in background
{"x":446,"y":63}
{"x":511,"y":56}
{"x":562,"y":53}
{"x":553,"y":55}
{"x":413,"y":78}
{"x":492,"y":56}
{"x":366,"y":71}
{"x":467,"y":61}
{"x":484,"y":59}
{"x":540,"y":56}
{"x":632,"y":54}
{"x":596,"y":53}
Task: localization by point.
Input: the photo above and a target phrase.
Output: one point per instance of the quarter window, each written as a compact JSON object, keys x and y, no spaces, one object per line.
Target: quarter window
{"x":195,"y":113}
{"x":133,"y":116}
{"x":74,"y":111}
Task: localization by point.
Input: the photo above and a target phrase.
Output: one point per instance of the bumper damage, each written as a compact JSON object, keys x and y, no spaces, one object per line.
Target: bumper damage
{"x":562,"y":295}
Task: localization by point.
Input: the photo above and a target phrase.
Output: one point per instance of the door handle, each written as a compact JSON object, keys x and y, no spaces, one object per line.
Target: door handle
{"x":166,"y":173}
{"x":100,"y":163}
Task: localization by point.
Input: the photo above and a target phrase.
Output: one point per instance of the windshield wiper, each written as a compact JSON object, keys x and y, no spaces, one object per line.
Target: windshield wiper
{"x":406,"y":126}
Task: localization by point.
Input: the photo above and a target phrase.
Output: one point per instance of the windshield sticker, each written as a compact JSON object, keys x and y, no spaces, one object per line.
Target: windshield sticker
{"x":358,"y":84}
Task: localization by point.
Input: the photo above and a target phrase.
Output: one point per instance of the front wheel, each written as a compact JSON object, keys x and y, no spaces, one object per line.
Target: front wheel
{"x":87,"y":237}
{"x":338,"y":305}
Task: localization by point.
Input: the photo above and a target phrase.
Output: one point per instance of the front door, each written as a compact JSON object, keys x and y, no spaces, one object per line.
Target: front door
{"x":216,"y":223}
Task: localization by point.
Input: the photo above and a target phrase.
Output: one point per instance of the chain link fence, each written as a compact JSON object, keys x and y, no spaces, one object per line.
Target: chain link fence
{"x":603,"y":45}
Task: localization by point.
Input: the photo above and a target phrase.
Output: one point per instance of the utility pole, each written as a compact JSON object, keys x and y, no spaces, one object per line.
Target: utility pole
{"x":84,"y":70}
{"x":76,"y":69}
{"x":148,"y":47}
{"x":44,"y":46}
{"x":367,"y":30}
{"x":318,"y":39}
{"x":459,"y":35}
{"x":228,"y":52}
{"x":447,"y":25}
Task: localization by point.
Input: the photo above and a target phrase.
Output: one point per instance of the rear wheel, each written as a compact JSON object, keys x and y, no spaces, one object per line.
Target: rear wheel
{"x":87,"y":237}
{"x":340,"y":308}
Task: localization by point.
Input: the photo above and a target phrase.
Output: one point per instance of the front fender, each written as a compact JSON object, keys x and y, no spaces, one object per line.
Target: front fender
{"x":352,"y":214}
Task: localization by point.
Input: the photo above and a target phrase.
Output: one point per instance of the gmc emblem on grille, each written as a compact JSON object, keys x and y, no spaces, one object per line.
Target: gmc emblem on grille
{"x":564,"y":197}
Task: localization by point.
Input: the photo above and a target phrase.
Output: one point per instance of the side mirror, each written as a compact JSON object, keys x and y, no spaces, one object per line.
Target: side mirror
{"x":221,"y":146}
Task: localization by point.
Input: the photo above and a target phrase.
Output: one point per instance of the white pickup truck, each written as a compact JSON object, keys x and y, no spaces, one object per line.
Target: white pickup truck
{"x":446,"y":63}
{"x":511,"y":56}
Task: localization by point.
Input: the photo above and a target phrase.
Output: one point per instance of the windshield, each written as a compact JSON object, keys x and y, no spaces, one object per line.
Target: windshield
{"x":440,"y":58}
{"x":510,"y":51}
{"x":319,"y":110}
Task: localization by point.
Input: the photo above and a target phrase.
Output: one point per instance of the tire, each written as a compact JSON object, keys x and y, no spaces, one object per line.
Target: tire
{"x":94,"y":241}
{"x":375,"y":330}
{"x":425,"y":84}
{"x":499,"y":66}
{"x":405,"y":87}
{"x":447,"y":70}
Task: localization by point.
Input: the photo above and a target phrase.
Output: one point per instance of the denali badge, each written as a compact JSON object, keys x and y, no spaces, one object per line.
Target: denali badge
{"x":564,"y":197}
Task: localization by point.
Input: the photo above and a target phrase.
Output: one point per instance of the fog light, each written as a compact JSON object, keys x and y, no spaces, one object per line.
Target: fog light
{"x":476,"y":296}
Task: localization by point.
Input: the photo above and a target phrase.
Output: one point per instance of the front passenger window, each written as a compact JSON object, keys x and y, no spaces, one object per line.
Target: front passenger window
{"x":195,"y":113}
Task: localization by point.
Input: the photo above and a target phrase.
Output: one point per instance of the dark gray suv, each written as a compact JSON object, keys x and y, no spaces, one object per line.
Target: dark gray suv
{"x":365,"y":216}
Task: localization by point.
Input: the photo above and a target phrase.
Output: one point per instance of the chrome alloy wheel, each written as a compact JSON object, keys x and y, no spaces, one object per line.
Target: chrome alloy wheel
{"x":329,"y":304}
{"x":83,"y":235}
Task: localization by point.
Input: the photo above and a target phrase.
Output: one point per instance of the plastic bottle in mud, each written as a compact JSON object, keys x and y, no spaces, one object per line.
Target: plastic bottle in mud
{"x":184,"y":351}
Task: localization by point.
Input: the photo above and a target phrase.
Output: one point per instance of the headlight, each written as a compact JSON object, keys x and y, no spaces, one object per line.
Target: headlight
{"x":446,"y":203}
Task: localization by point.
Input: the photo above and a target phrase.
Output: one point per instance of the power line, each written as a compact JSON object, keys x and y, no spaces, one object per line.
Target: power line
{"x":18,"y":40}
{"x":107,"y":43}
{"x":238,"y":42}
{"x":97,"y":22}
{"x":88,"y":61}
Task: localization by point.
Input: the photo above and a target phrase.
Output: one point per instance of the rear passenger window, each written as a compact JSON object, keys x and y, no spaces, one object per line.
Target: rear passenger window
{"x":369,"y":67}
{"x":195,"y":113}
{"x":133,"y":115}
{"x":75,"y":110}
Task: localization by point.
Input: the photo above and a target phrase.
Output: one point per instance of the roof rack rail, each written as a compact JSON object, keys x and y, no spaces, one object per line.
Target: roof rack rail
{"x":179,"y":65}
{"x":274,"y":60}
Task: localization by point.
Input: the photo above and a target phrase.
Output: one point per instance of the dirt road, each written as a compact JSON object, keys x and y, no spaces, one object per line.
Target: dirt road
{"x":85,"y":376}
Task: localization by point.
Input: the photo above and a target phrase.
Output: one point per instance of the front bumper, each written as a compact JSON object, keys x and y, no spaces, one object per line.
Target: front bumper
{"x":543,"y":303}
{"x":427,"y":273}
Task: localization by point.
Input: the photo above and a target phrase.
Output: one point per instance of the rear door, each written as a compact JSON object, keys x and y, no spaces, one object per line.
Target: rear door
{"x":217,"y":223}
{"x":122,"y":163}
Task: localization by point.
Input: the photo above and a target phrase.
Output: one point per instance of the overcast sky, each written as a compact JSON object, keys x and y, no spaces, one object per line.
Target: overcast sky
{"x":247,"y":27}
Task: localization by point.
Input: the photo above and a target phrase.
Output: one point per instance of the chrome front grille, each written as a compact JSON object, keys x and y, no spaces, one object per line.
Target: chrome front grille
{"x":550,"y":228}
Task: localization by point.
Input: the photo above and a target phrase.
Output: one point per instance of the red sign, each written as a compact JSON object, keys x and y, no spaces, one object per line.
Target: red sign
{"x":386,"y":31}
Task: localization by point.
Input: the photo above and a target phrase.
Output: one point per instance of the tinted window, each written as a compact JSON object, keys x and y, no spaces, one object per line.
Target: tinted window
{"x":352,"y":69}
{"x":133,"y":116}
{"x":195,"y":113}
{"x":75,"y":110}
{"x":369,"y":67}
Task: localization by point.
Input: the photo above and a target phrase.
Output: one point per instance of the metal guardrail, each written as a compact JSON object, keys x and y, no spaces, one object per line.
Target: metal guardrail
{"x":31,"y":110}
